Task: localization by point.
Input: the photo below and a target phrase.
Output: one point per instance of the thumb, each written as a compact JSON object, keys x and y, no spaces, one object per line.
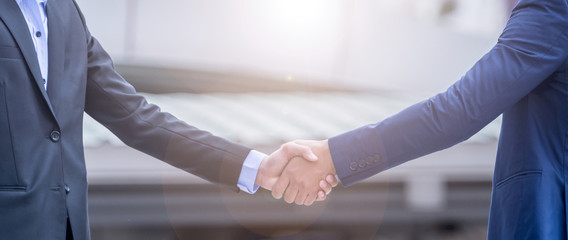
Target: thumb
{"x":298,"y":150}
{"x":309,"y":155}
{"x":292,"y":149}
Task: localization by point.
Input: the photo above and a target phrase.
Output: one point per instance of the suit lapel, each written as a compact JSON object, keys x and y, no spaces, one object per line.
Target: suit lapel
{"x":12,"y":16}
{"x":56,"y":46}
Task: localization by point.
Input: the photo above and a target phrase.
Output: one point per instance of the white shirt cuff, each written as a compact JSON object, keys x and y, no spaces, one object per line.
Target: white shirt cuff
{"x":249,"y":171}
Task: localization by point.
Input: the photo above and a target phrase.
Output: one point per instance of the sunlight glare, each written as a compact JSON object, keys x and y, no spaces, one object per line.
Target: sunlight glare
{"x":303,"y":23}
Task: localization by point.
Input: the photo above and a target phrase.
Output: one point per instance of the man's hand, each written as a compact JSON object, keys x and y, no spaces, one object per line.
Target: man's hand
{"x":272,"y":166}
{"x":302,"y":181}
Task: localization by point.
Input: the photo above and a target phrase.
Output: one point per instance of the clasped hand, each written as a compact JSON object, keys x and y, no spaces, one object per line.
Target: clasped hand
{"x":300,"y":171}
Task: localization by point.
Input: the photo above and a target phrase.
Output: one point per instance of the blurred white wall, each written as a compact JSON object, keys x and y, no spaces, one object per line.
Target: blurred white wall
{"x":412,"y":45}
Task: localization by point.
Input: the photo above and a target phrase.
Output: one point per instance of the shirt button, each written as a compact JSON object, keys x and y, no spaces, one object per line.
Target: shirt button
{"x":67,"y":189}
{"x":38,"y":34}
{"x":55,"y":136}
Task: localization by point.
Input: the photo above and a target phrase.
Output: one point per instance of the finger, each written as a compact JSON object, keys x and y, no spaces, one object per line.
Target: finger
{"x":280,"y":186}
{"x":301,"y":197}
{"x":290,"y":194}
{"x":310,"y":200}
{"x":331,"y":179}
{"x":325,"y":187}
{"x":321,"y":196}
{"x":268,"y":184}
{"x":296,"y":150}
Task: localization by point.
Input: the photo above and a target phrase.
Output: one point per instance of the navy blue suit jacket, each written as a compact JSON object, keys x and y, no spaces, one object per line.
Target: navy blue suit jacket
{"x":525,"y":78}
{"x":42,"y":168}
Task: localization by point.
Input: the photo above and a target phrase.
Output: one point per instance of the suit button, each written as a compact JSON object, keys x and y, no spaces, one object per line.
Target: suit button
{"x":67,"y":189}
{"x":362,"y":163}
{"x":55,"y":136}
{"x":353,"y":166}
{"x":370,"y":160}
{"x":377,"y":158}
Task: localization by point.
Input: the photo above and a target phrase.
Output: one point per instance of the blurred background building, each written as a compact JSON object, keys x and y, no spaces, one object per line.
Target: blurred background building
{"x":264,"y":72}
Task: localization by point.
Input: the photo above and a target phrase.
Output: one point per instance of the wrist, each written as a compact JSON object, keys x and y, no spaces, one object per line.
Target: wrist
{"x":259,"y":175}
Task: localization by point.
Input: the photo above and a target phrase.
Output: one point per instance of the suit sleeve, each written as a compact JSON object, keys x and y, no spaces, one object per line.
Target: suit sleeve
{"x":533,"y":45}
{"x":114,"y":103}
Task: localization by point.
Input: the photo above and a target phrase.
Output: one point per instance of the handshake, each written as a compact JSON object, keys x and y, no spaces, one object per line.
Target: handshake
{"x":300,"y":171}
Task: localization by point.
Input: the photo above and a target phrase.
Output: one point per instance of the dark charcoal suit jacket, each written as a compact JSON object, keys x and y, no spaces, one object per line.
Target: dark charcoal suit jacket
{"x":42,"y":168}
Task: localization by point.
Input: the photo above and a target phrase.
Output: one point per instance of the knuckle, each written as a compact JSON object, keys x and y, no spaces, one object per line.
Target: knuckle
{"x":286,"y":147}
